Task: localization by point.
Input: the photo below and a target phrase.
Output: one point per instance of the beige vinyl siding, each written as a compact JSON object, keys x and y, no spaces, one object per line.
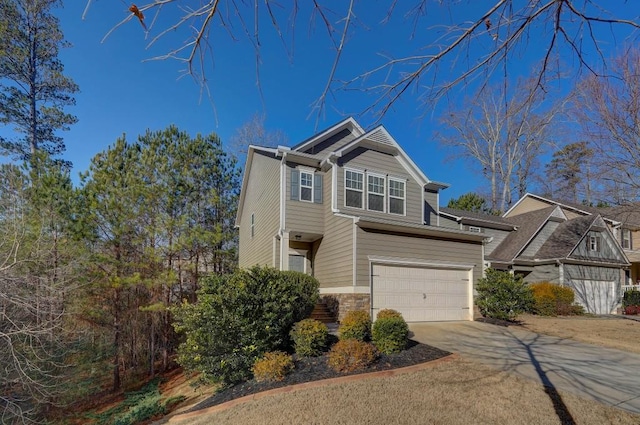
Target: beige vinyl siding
{"x":331,"y":144}
{"x":431,"y":208}
{"x":527,"y":205}
{"x":304,"y":216}
{"x":333,"y":254}
{"x":540,"y":239}
{"x":262,"y":197}
{"x":375,"y":243}
{"x":449,"y":223}
{"x":497,"y":235}
{"x":368,"y":160}
{"x":635,"y":240}
{"x":544,"y":273}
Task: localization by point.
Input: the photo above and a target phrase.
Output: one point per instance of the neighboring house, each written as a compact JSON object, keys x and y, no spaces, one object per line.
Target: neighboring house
{"x":556,"y":242}
{"x":349,"y":207}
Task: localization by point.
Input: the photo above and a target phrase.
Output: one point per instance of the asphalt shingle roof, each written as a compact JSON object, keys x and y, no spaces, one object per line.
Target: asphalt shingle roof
{"x":476,"y":216}
{"x":565,"y":238}
{"x":528,"y":224}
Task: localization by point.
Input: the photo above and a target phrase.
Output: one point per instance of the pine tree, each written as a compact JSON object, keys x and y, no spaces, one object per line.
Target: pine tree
{"x":33,"y":88}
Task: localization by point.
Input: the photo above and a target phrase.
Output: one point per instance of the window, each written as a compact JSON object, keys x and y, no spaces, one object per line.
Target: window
{"x":253,"y":224}
{"x":626,"y":239}
{"x":375,"y":194}
{"x":353,"y":188}
{"x":297,"y":263}
{"x":306,"y":186}
{"x":475,"y":229}
{"x":396,"y":196}
{"x":594,"y":243}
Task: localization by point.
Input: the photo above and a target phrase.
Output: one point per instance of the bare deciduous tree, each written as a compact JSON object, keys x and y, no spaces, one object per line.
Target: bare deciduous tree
{"x":473,"y":45}
{"x":608,"y":111}
{"x":253,"y":132}
{"x":504,"y":134}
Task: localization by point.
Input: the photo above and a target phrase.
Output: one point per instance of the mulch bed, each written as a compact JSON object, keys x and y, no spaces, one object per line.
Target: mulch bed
{"x":317,"y":368}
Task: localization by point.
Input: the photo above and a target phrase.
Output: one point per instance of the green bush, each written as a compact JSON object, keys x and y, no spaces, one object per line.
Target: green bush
{"x":356,"y":325}
{"x":390,"y":334}
{"x":387,"y":312}
{"x":273,"y":366}
{"x":309,"y":337}
{"x":502,"y":295}
{"x":348,"y":355}
{"x":631,"y":297}
{"x":553,"y":300}
{"x":238,"y":318}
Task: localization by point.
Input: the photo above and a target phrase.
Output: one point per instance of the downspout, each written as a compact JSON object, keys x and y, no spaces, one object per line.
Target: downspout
{"x":334,"y":183}
{"x":560,"y":272}
{"x":283,"y":189}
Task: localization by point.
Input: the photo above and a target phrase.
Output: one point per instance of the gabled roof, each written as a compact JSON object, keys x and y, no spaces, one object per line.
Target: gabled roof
{"x":566,"y":237}
{"x":628,"y":215}
{"x":380,"y":139}
{"x":571,"y":206}
{"x":528,"y":226}
{"x":477,"y":217}
{"x":347,"y":124}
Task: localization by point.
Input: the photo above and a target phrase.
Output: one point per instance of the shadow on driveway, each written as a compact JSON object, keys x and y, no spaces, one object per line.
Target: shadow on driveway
{"x":606,"y":375}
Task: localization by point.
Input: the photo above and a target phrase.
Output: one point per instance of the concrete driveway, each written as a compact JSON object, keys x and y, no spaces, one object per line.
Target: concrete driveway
{"x":609,"y":376}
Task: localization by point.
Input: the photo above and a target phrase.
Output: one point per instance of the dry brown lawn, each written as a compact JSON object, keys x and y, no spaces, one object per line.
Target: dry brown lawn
{"x":617,"y":333}
{"x":453,"y":392}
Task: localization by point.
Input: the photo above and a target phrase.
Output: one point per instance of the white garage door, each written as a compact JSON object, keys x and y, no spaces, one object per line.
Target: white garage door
{"x":596,"y":296}
{"x":422,"y":294}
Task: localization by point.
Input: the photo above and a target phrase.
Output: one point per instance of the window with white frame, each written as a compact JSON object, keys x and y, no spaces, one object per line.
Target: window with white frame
{"x":396,"y":196}
{"x":306,"y":186}
{"x":626,"y":238}
{"x":594,"y":243}
{"x":253,"y":224}
{"x":354,"y":190}
{"x":375,"y":192}
{"x":475,"y":229}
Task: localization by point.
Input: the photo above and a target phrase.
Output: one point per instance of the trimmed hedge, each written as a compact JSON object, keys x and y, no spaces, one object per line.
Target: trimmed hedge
{"x":387,"y":312}
{"x":239,"y":317}
{"x":390,"y":334}
{"x":356,"y":325}
{"x":273,"y":366}
{"x":631,"y":297}
{"x":309,"y":337}
{"x":348,"y":355}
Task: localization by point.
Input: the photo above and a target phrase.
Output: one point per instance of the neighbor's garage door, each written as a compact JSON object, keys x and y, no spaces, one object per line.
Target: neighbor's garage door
{"x":422,"y":293}
{"x":596,"y":296}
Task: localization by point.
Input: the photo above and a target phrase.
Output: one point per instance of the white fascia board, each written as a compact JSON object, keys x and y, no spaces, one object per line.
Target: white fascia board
{"x":377,"y":259}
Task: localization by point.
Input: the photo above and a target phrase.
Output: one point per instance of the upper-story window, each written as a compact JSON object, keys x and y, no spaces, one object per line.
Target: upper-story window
{"x":626,"y":239}
{"x":475,"y":229}
{"x":306,"y":186}
{"x":594,"y":243}
{"x":354,"y":190}
{"x":375,"y":192}
{"x":253,"y":225}
{"x":396,"y":196}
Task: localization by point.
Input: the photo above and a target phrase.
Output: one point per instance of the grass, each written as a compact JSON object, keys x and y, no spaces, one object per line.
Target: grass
{"x":453,"y":392}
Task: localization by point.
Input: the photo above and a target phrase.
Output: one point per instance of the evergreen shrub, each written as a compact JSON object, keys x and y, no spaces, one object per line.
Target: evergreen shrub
{"x":356,"y":325}
{"x":349,"y":355}
{"x":309,"y":337}
{"x":273,"y":366}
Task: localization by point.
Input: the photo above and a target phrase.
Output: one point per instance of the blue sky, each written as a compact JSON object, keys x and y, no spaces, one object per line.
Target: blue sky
{"x":121,"y":93}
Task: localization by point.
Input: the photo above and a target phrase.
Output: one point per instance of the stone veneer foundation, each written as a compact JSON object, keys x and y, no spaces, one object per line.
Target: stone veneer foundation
{"x":340,"y":304}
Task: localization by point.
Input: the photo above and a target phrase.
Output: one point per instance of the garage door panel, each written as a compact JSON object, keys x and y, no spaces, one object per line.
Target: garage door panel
{"x":422,"y":293}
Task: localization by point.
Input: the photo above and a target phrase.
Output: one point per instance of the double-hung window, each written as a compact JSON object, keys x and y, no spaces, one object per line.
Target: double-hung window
{"x":626,"y":238}
{"x":375,"y":193}
{"x":306,"y":186}
{"x":594,"y":243}
{"x":396,"y":196}
{"x":354,"y":189}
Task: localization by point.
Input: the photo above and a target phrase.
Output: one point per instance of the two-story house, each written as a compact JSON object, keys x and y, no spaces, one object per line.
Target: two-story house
{"x":349,"y":207}
{"x":555,"y":242}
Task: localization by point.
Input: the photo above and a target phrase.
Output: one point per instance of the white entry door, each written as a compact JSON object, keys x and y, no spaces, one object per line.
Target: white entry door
{"x":422,"y":294}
